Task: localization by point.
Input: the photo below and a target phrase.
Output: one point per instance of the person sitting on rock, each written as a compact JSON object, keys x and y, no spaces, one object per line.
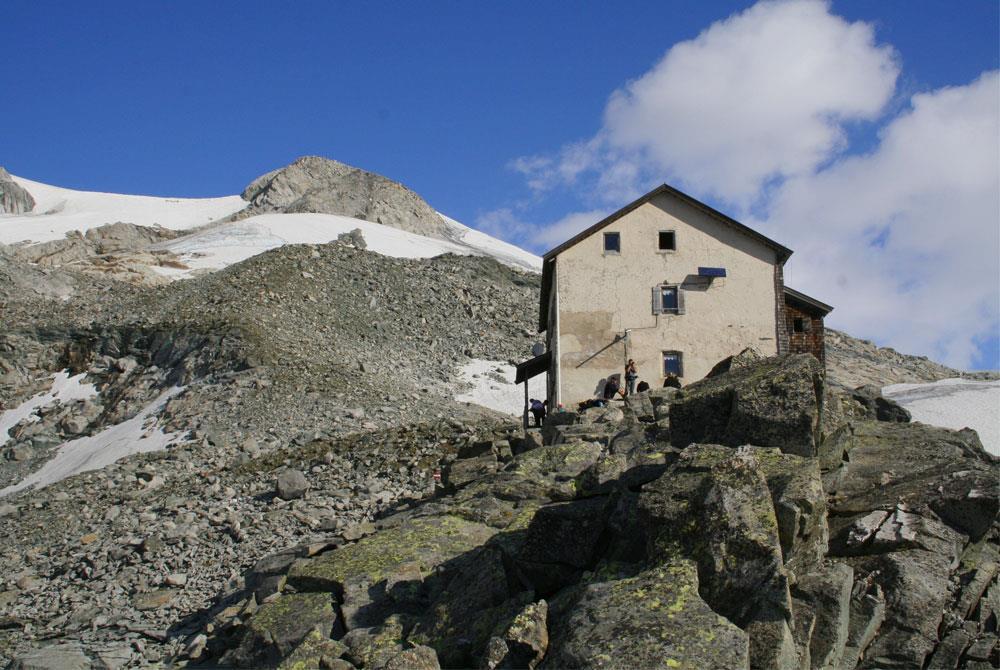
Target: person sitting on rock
{"x":611,"y":388}
{"x":672,"y":381}
{"x":642,"y":387}
{"x":538,"y":410}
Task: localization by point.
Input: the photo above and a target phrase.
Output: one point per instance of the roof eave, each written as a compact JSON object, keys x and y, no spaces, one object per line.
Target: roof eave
{"x":804,"y":299}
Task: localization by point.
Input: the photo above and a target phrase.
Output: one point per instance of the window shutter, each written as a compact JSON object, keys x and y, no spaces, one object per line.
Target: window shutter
{"x":680,"y":300}
{"x":657,"y":300}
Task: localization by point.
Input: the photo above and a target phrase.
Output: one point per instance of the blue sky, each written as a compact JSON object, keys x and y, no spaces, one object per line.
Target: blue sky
{"x":504,"y":116}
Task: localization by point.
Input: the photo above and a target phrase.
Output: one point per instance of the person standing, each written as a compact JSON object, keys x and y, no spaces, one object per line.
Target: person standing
{"x":538,"y":410}
{"x":631,"y":374}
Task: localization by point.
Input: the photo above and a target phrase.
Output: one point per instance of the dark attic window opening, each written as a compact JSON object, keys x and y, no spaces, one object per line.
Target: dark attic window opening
{"x":800,"y":325}
{"x":612,"y":243}
{"x":667,"y":241}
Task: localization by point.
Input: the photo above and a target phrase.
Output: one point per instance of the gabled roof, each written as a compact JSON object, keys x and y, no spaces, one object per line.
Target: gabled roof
{"x":805,"y":303}
{"x":548,"y":259}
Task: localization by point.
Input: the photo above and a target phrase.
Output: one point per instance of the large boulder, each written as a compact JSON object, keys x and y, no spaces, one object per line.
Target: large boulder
{"x":386,"y":571}
{"x":470,"y":599}
{"x":884,"y":409}
{"x":563,"y":540}
{"x":278,"y":627}
{"x":291,"y":484}
{"x":917,"y":591}
{"x":799,"y":507}
{"x":52,"y":657}
{"x":774,"y":403}
{"x":714,"y":507}
{"x":653,"y":620}
{"x":552,"y":471}
{"x":523,"y":642}
{"x":825,"y":595}
{"x":874,"y":465}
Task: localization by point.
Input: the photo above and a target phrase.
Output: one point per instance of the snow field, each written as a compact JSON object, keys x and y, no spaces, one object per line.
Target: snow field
{"x":60,"y":210}
{"x":502,"y":396}
{"x":229,"y":243}
{"x":104,"y":448}
{"x":956,"y":404}
{"x":65,"y":389}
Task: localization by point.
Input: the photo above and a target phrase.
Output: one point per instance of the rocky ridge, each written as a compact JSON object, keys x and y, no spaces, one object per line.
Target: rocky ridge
{"x":294,"y":341}
{"x":328,"y":350}
{"x":320,"y":185}
{"x":852,"y":362}
{"x":13,"y":198}
{"x":121,"y":251}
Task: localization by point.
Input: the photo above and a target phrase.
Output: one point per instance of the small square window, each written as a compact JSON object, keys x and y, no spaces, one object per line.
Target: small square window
{"x":800,"y":325}
{"x":612,"y":243}
{"x":673,"y":363}
{"x":667,"y":241}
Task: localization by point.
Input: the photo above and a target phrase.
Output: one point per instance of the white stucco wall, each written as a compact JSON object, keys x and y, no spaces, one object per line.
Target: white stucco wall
{"x":601,"y":295}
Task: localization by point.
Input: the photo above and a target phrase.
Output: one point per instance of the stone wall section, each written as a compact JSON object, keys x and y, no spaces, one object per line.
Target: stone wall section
{"x":780,"y":312}
{"x":811,"y":339}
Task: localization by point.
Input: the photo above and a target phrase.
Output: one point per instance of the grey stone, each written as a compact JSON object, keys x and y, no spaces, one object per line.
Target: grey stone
{"x":883,"y":409}
{"x":611,"y":625}
{"x":714,"y":507}
{"x":773,"y":403}
{"x":828,"y":595}
{"x":291,"y":484}
{"x":866,"y":616}
{"x":55,"y":657}
{"x":280,"y":625}
{"x":640,"y":406}
{"x":14,"y":199}
{"x":524,"y":642}
{"x":465,"y":470}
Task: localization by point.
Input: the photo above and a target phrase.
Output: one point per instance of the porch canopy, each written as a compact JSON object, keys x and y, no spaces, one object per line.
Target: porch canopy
{"x":525,"y":371}
{"x":532,"y":367}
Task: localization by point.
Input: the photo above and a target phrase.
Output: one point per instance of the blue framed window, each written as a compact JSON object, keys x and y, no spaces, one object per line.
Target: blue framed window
{"x":612,"y":243}
{"x":673,"y":363}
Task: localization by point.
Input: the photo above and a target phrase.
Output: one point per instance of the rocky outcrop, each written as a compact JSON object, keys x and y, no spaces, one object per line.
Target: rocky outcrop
{"x":321,"y":185}
{"x":120,"y":251}
{"x":852,"y":362}
{"x":775,"y":403}
{"x":13,"y":198}
{"x":607,"y":546}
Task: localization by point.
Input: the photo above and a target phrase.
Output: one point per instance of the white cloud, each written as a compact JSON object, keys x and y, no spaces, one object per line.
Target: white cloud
{"x":905,"y":240}
{"x":558,"y":232}
{"x":507,"y":224}
{"x":761,"y":95}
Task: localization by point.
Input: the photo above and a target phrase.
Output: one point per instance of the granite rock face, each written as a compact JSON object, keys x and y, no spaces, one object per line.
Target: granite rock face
{"x":320,"y":185}
{"x":13,"y":198}
{"x":774,"y":403}
{"x":120,"y":251}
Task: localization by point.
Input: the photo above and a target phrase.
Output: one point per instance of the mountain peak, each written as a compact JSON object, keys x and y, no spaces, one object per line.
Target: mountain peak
{"x":314,"y":184}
